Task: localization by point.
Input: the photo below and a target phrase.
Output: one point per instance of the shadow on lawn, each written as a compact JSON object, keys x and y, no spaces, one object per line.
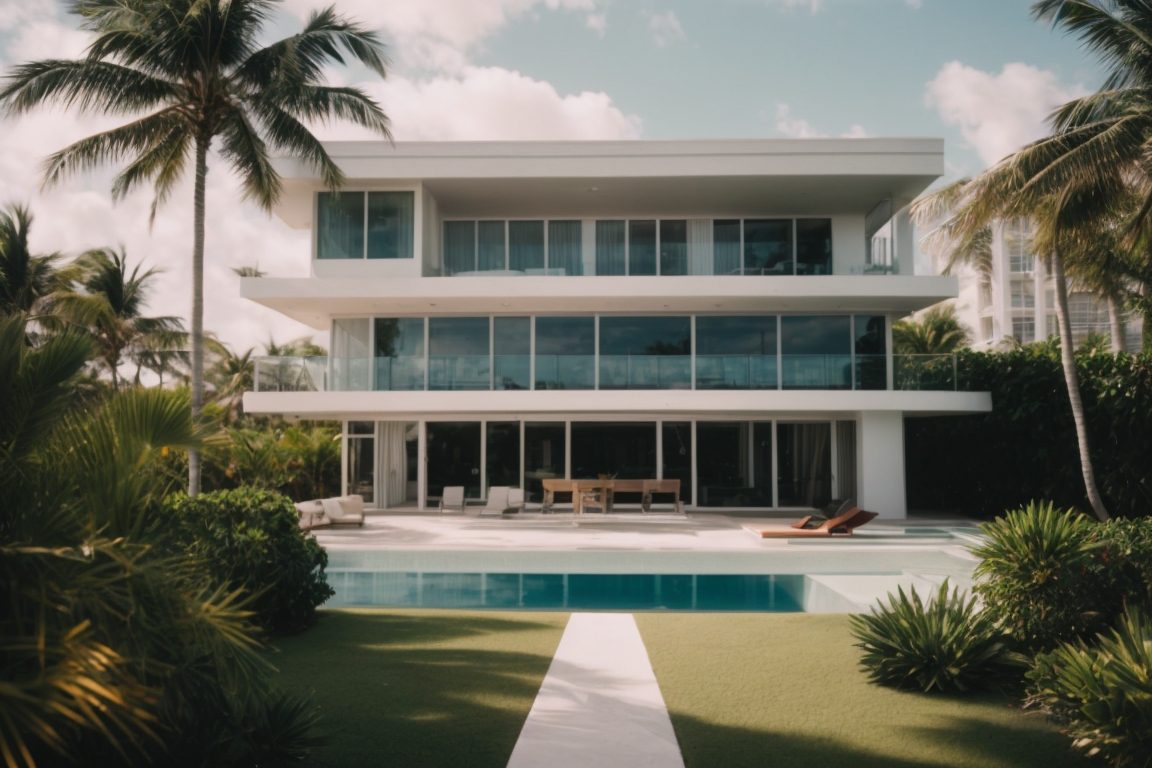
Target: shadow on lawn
{"x":423,"y":689}
{"x":967,"y":742}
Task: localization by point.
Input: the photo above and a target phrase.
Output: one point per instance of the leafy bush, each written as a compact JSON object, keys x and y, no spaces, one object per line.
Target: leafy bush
{"x":946,"y":644}
{"x":251,"y":539}
{"x":1102,"y":693}
{"x":1041,"y":576}
{"x":1126,"y":558}
{"x":1026,"y":447}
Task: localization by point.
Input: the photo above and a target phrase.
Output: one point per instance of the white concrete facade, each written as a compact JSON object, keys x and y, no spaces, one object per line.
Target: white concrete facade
{"x":786,"y":426}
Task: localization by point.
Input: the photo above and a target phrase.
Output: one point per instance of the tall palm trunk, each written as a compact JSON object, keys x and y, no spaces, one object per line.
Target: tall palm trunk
{"x":202,"y":142}
{"x":1115,"y":324}
{"x":1072,"y":381}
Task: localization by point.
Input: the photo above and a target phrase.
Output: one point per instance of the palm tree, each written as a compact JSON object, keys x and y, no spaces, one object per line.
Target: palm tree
{"x":231,"y":375}
{"x":937,"y":332}
{"x":109,"y":301}
{"x":26,"y":279}
{"x":195,"y":70}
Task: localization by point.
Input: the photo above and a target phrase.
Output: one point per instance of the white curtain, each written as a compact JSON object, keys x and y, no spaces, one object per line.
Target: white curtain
{"x":700,"y":246}
{"x":394,"y":463}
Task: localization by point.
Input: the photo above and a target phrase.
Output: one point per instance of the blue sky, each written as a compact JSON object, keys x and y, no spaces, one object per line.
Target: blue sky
{"x":979,"y":73}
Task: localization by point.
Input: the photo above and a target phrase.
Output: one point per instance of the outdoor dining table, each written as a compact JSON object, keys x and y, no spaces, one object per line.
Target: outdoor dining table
{"x":601,"y":492}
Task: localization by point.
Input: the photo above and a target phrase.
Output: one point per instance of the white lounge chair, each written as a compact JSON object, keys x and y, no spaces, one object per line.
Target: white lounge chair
{"x":344,"y":510}
{"x":497,"y":500}
{"x":452,"y":499}
{"x":515,"y":501}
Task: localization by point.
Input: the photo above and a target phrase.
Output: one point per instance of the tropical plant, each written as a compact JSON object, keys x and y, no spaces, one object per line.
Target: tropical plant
{"x":937,"y":331}
{"x":195,"y":71}
{"x":231,"y":375}
{"x":1039,"y":575}
{"x":26,"y":279}
{"x":944,"y":644}
{"x":1101,"y":691}
{"x":108,"y":301}
{"x":110,"y":651}
{"x":251,"y":539}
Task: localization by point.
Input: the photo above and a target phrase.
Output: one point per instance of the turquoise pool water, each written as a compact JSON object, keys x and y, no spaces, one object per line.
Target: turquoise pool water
{"x":568,"y":591}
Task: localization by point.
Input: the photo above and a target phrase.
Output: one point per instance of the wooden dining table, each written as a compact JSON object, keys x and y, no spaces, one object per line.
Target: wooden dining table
{"x":601,"y":492}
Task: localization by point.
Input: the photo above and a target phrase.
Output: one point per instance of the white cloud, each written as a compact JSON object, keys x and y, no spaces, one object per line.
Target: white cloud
{"x":997,"y":113}
{"x":597,"y":22}
{"x":794,"y":127}
{"x":815,"y":6}
{"x":440,"y":34}
{"x":491,"y":103}
{"x":665,"y":28}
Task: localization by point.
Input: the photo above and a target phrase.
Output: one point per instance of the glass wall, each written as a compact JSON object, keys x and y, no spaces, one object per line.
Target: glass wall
{"x":502,"y":460}
{"x":565,"y":352}
{"x":358,"y":225}
{"x":458,"y":356}
{"x":361,"y":452}
{"x":871,"y":343}
{"x":736,"y":352}
{"x":816,"y":352}
{"x":734,"y":463}
{"x":390,"y":222}
{"x":645,"y":353}
{"x":512,"y":350}
{"x":543,"y":456}
{"x":640,"y":247}
{"x":676,"y":437}
{"x":399,"y":353}
{"x":768,"y":247}
{"x":351,"y":354}
{"x":453,"y":457}
{"x":805,"y":466}
{"x":626,"y":450}
{"x":813,"y":246}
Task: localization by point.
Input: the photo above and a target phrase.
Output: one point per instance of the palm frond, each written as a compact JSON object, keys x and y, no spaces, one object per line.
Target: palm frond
{"x":87,"y":85}
{"x":289,"y":134}
{"x":110,"y":146}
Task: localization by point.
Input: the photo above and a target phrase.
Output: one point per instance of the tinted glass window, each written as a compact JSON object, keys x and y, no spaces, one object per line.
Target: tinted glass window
{"x":458,"y":353}
{"x":816,"y":352}
{"x":641,"y":247}
{"x":390,"y":216}
{"x":768,"y":247}
{"x":645,"y":353}
{"x":814,"y":246}
{"x":565,"y":352}
{"x":340,"y":225}
{"x":736,"y":352}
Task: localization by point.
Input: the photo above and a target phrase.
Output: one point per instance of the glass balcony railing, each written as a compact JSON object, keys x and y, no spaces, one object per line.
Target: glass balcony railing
{"x":476,"y":372}
{"x":934,"y":373}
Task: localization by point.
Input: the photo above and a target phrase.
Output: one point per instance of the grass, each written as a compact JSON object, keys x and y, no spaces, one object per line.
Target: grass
{"x":420,"y":687}
{"x":785,"y":690}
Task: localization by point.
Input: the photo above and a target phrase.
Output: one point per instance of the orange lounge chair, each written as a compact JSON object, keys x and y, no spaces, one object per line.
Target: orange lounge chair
{"x":841,"y":525}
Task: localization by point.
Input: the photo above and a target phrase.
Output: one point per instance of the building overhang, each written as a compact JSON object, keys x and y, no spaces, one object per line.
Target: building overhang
{"x":662,"y":178}
{"x":315,"y":301}
{"x":633,"y":404}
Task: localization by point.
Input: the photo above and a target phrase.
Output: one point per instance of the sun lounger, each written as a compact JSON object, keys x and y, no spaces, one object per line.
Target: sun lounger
{"x":497,"y":500}
{"x":515,"y":501}
{"x":841,"y":525}
{"x":452,"y":499}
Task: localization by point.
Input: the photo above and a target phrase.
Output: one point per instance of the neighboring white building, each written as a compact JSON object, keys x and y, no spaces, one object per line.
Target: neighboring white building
{"x":711,"y":311}
{"x":1016,"y":299}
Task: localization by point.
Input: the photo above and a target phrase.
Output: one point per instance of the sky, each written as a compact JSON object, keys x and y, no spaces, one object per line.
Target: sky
{"x":981,"y":74}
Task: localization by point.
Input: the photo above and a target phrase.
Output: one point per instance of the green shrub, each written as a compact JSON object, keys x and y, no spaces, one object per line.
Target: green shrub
{"x":251,"y":539}
{"x":947,"y":644}
{"x":1126,"y":557}
{"x":1102,"y":693}
{"x":1041,"y":575}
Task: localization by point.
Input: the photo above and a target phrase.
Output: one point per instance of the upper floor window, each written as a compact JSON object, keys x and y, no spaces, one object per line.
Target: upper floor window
{"x":364,"y":225}
{"x":1017,"y":244}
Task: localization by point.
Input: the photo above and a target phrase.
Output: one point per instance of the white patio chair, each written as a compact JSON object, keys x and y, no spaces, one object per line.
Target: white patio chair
{"x":497,"y":500}
{"x":452,"y":499}
{"x":515,"y":501}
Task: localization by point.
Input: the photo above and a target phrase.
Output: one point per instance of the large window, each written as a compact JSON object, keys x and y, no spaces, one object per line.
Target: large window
{"x":805,"y":464}
{"x":816,"y":352}
{"x":645,"y":353}
{"x":642,"y":247}
{"x":726,"y":247}
{"x":768,"y":247}
{"x":676,"y":437}
{"x":1017,"y":242}
{"x":813,"y":246}
{"x":399,"y":353}
{"x":565,"y":255}
{"x":503,"y":453}
{"x":361,"y":479}
{"x":458,"y":357}
{"x":736,"y":352}
{"x":512,"y":347}
{"x":526,"y":246}
{"x":871,"y":343}
{"x":673,"y":247}
{"x":621,"y":449}
{"x":734,"y":463}
{"x":543,"y":456}
{"x":611,"y":248}
{"x":359,"y":225}
{"x":453,"y":457}
{"x":565,"y":352}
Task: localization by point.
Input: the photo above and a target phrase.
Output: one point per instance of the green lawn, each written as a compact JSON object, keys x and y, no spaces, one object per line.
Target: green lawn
{"x":786,"y":690}
{"x":420,"y":688}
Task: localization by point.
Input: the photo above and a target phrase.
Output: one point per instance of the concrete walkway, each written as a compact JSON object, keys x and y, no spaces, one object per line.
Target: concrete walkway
{"x":599,"y":704}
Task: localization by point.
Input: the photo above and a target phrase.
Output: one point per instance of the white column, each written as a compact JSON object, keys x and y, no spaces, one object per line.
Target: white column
{"x":880,"y":483}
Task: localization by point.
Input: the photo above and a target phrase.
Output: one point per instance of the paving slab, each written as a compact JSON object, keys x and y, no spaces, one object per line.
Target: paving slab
{"x":599,"y":704}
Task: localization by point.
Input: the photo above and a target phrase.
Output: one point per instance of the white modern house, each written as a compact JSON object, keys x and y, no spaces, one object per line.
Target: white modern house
{"x":1014,"y":297}
{"x":708,"y":311}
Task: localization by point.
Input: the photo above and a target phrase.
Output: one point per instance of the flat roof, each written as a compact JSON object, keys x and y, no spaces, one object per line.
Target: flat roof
{"x":673,"y":178}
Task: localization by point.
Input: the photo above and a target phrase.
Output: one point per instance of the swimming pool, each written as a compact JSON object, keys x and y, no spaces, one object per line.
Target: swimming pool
{"x":844,"y":577}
